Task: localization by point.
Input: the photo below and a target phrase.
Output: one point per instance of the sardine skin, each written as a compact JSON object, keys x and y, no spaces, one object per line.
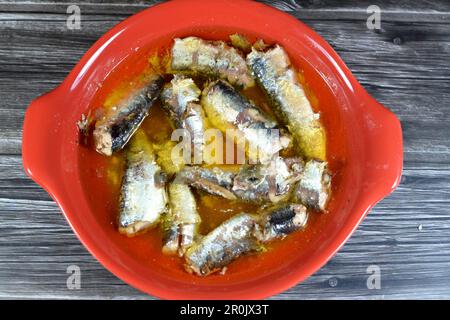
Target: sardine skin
{"x":313,"y":188}
{"x":183,"y":219}
{"x":143,"y":196}
{"x":224,"y":244}
{"x":115,"y":128}
{"x":216,"y":59}
{"x":273,"y":72}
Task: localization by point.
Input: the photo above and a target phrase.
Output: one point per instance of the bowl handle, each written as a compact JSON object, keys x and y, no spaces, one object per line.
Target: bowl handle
{"x":384,"y":149}
{"x":40,"y":139}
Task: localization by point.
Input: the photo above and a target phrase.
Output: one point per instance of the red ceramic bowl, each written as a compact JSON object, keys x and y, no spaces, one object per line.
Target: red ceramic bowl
{"x":364,"y":150}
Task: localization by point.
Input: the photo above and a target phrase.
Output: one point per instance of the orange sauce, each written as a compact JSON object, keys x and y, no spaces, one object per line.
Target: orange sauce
{"x":102,"y":177}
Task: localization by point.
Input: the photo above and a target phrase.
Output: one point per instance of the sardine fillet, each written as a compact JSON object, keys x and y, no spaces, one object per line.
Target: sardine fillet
{"x":278,"y":222}
{"x":214,"y":181}
{"x":313,"y":188}
{"x":179,"y":99}
{"x":210,"y":58}
{"x":224,"y":244}
{"x":241,"y":234}
{"x":183,"y":220}
{"x":176,"y":96}
{"x":235,"y":115}
{"x":265,"y":183}
{"x":274,"y":73}
{"x":114,"y":130}
{"x":270,"y":182}
{"x":143,"y":197}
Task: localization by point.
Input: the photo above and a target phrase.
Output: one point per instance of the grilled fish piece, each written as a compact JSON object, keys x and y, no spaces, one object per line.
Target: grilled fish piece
{"x":228,"y":241}
{"x":270,"y":182}
{"x":277,"y":222}
{"x":274,"y":73}
{"x":142,"y":196}
{"x":231,"y":112}
{"x":214,"y":181}
{"x":182,"y":221}
{"x":114,"y":130}
{"x":179,"y":99}
{"x":193,"y":55}
{"x":313,"y":189}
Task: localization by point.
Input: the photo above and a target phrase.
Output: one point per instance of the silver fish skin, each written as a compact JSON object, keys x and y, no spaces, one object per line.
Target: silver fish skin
{"x":231,"y":112}
{"x":179,"y":99}
{"x":273,"y":71}
{"x":271,"y":182}
{"x":115,"y":128}
{"x":143,"y":196}
{"x":313,"y":188}
{"x":278,"y":222}
{"x":194,"y":122}
{"x":242,"y":234}
{"x":182,"y":220}
{"x":227,"y":242}
{"x":193,"y":55}
{"x":177,"y":95}
{"x":212,"y":180}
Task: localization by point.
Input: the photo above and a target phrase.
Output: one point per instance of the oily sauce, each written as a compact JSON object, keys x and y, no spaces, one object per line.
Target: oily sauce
{"x":102,"y":178}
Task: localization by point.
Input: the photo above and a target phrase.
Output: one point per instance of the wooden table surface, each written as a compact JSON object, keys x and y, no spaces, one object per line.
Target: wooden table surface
{"x":405,"y":66}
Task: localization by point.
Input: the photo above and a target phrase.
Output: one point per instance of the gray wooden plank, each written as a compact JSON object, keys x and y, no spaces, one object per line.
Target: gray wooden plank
{"x":406,"y":234}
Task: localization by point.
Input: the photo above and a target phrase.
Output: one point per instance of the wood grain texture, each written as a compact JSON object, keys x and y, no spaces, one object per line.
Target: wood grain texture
{"x":405,"y":66}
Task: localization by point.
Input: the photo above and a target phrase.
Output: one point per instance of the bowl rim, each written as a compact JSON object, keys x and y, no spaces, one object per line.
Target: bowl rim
{"x":61,"y":197}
